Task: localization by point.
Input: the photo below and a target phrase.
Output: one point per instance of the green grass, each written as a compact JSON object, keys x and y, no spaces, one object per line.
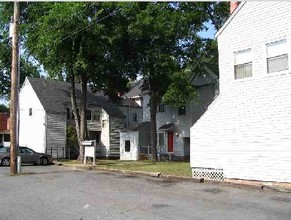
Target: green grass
{"x":166,"y":168}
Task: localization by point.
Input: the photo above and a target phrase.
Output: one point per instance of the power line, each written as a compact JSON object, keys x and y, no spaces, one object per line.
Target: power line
{"x":76,"y":13}
{"x":112,"y":13}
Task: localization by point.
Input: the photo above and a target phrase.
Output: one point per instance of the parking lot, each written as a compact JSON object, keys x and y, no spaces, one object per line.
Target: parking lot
{"x":55,"y":192}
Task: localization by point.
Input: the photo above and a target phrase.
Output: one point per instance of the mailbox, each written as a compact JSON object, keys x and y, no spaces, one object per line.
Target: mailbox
{"x":89,"y":150}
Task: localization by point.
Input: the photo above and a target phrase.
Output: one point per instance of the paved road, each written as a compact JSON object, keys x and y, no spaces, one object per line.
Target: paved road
{"x":61,"y":193}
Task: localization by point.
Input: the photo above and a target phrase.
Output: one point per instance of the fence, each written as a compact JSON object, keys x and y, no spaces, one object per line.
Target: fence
{"x":59,"y":152}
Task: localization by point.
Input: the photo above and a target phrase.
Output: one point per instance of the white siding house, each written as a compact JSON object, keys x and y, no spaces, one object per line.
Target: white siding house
{"x":32,"y":113}
{"x":173,"y":124}
{"x":46,"y":113}
{"x":246,"y":132}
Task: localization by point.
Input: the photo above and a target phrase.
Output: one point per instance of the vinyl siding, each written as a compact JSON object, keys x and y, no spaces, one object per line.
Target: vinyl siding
{"x":31,"y":128}
{"x":246,"y":130}
{"x":56,"y":134}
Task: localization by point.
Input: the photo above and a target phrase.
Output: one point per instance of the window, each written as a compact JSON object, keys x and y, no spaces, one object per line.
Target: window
{"x":243,"y":64}
{"x":127,"y":145}
{"x":161,"y":140}
{"x":277,"y":56}
{"x":182,"y":110}
{"x":96,"y":115}
{"x":6,"y":137}
{"x":161,"y":108}
{"x":30,"y":111}
{"x":68,"y":113}
{"x":88,"y":114}
{"x":134,"y":116}
{"x":103,"y":123}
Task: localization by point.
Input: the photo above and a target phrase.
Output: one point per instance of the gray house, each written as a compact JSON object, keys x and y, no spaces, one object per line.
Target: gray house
{"x":46,"y":113}
{"x":173,"y":124}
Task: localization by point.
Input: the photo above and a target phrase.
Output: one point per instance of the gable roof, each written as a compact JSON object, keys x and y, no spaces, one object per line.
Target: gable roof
{"x":135,"y":89}
{"x":55,"y":96}
{"x":229,"y":19}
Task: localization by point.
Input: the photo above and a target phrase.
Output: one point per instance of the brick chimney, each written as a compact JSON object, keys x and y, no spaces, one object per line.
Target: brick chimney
{"x":233,"y":6}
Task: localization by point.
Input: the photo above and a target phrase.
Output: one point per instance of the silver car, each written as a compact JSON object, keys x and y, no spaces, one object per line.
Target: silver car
{"x":27,"y":156}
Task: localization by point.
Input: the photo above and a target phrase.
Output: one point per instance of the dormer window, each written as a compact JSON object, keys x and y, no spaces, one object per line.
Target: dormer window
{"x":277,"y":56}
{"x":243,"y":64}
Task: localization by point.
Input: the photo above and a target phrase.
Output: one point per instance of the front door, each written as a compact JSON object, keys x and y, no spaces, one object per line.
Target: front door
{"x":170,"y":142}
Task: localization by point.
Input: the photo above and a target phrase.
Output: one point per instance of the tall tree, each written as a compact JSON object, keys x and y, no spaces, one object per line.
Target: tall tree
{"x":164,"y":37}
{"x":78,"y":42}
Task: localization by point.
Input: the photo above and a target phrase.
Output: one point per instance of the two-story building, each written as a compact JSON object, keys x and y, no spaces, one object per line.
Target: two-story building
{"x":245,"y":133}
{"x":173,"y":124}
{"x":46,"y":113}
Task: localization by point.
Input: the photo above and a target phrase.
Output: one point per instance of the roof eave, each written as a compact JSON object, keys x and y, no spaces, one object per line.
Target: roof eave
{"x":229,"y":19}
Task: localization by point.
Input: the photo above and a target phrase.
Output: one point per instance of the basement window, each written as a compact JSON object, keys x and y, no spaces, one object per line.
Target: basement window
{"x":127,"y":145}
{"x":243,"y":64}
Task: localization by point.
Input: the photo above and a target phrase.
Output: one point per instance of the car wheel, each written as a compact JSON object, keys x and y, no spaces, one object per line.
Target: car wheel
{"x":44,"y":161}
{"x":5,"y":161}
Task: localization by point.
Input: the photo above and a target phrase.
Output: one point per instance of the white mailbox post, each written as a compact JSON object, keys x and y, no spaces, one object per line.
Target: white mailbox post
{"x":90,"y":150}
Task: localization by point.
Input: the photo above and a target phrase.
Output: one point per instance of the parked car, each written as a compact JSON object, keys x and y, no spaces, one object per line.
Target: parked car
{"x":27,"y":156}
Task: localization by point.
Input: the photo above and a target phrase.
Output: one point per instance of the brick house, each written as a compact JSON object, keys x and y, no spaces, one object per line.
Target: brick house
{"x":4,"y":129}
{"x":245,"y":133}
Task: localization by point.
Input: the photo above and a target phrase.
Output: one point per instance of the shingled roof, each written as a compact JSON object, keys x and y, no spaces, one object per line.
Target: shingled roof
{"x":55,"y":96}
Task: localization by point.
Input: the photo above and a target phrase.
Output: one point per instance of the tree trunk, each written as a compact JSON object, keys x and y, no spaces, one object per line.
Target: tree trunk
{"x":83,"y":108}
{"x":153,"y":105}
{"x":75,"y":112}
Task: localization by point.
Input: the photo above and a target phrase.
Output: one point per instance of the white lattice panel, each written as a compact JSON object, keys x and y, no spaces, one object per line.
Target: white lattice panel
{"x":207,"y":173}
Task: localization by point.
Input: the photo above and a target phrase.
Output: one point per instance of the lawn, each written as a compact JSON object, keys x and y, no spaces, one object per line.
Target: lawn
{"x":166,"y":168}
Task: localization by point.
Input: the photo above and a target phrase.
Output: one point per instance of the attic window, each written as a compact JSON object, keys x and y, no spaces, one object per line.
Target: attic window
{"x":30,"y":111}
{"x":161,"y":108}
{"x":182,"y":110}
{"x":277,"y":56}
{"x":243,"y":64}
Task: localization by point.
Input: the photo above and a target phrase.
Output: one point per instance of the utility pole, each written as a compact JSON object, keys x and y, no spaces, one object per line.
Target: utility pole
{"x":14,"y":89}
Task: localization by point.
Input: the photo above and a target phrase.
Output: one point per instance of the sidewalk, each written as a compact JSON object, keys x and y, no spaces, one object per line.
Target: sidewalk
{"x":274,"y":186}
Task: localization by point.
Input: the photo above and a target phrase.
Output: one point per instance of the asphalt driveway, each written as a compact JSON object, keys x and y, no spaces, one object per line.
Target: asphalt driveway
{"x":62,"y":193}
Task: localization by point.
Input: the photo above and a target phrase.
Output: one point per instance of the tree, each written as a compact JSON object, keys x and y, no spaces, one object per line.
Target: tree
{"x":81,"y":46}
{"x":164,"y":36}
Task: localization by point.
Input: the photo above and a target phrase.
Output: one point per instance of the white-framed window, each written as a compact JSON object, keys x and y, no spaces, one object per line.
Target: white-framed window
{"x":243,"y":64}
{"x":277,"y":56}
{"x":30,"y":111}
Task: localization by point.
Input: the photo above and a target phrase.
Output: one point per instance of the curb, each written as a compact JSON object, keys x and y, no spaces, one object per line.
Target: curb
{"x":227,"y":182}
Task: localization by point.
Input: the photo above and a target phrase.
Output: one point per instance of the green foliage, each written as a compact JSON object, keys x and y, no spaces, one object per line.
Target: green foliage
{"x":180,"y":90}
{"x":27,"y":67}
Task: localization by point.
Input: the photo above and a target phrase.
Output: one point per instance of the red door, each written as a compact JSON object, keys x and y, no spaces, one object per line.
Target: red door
{"x":170,"y":142}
